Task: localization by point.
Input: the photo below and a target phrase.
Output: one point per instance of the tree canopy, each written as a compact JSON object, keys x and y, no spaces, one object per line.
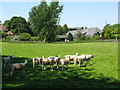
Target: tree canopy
{"x":44,"y":19}
{"x":17,"y":25}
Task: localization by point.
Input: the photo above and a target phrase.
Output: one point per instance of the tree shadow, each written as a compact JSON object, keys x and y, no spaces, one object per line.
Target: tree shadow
{"x":73,"y":77}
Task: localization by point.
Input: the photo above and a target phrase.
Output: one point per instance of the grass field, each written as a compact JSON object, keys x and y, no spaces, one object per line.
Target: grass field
{"x":102,"y":72}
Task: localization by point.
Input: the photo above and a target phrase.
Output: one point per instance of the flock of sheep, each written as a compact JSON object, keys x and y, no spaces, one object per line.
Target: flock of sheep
{"x":48,"y":61}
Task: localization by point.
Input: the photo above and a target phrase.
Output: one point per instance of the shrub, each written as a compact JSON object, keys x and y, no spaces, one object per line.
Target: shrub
{"x":24,"y":37}
{"x":34,"y":38}
{"x":82,"y":37}
{"x":96,"y":37}
{"x":87,"y":38}
{"x":70,"y":37}
{"x":8,"y":38}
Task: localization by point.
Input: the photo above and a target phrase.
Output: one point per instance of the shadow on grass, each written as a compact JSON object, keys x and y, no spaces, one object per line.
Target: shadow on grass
{"x":73,"y":77}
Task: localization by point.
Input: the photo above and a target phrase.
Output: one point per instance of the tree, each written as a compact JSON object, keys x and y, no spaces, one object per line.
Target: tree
{"x":7,"y":24}
{"x":70,"y":37}
{"x":18,"y":25}
{"x":59,"y":30}
{"x":44,"y":19}
{"x":65,"y":29}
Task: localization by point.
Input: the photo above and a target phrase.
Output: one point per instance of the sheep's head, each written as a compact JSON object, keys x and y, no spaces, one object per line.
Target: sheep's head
{"x":92,"y":56}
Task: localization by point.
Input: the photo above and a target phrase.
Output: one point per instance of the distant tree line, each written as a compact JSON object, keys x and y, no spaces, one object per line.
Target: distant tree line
{"x":111,"y":31}
{"x":43,"y":25}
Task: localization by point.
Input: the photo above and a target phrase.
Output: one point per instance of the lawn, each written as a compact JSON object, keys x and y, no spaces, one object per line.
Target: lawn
{"x":102,"y":72}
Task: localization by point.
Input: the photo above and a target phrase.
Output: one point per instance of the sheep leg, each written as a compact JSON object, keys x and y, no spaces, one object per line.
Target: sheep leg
{"x":66,"y":65}
{"x":79,"y":63}
{"x":11,"y":73}
{"x":51,"y":67}
{"x":44,"y":67}
{"x":62,"y":67}
{"x":88,"y":61}
{"x":75,"y":62}
{"x":33,"y":64}
{"x":58,"y":66}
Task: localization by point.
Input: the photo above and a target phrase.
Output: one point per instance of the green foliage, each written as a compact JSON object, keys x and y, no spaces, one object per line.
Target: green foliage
{"x":18,"y":25}
{"x":59,"y":30}
{"x":109,"y":31}
{"x":24,"y":37}
{"x":96,"y":37}
{"x":70,"y":37}
{"x":65,"y":29}
{"x":87,"y":38}
{"x":8,"y":38}
{"x":57,"y":39}
{"x":34,"y":38}
{"x":48,"y":17}
{"x":3,"y":34}
{"x":82,"y":37}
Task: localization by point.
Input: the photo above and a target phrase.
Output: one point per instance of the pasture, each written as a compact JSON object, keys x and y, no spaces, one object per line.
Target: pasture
{"x":102,"y":72}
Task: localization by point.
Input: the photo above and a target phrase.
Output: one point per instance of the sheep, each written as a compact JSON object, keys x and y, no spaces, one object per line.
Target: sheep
{"x":6,"y":60}
{"x":79,"y":59}
{"x":18,"y":66}
{"x":37,"y":60}
{"x":46,"y":61}
{"x":56,"y":60}
{"x":88,"y":58}
{"x":64,"y":62}
{"x":71,"y":56}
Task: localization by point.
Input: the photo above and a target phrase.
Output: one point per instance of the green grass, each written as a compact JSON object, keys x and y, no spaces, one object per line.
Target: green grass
{"x":101,"y":72}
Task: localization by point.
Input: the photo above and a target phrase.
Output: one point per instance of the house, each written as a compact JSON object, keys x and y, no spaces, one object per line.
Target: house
{"x":9,"y":33}
{"x":88,"y":32}
{"x":62,"y":37}
{"x":3,"y":28}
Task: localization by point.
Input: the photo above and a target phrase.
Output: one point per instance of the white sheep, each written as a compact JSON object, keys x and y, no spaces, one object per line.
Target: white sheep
{"x":46,"y":61}
{"x":56,"y":60}
{"x":37,"y":60}
{"x":71,"y":56}
{"x":7,"y":60}
{"x":88,"y":58}
{"x":18,"y":66}
{"x":64,"y":62}
{"x":80,"y":59}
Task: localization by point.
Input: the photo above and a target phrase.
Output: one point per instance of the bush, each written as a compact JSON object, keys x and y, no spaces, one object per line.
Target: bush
{"x":70,"y":37}
{"x":34,"y":38}
{"x":87,"y":38}
{"x":82,"y":37}
{"x":24,"y":37}
{"x":8,"y":38}
{"x":96,"y":37}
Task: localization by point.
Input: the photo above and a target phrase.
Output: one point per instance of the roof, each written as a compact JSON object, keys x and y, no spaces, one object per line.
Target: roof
{"x":88,"y":32}
{"x":62,"y":36}
{"x":3,"y":28}
{"x":9,"y":32}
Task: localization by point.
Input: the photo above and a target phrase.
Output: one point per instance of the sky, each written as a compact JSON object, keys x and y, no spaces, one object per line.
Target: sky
{"x":74,"y":14}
